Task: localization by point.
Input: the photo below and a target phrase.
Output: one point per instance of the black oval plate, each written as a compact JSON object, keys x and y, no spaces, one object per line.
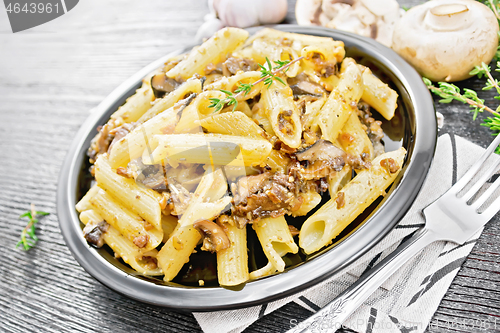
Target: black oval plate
{"x":419,"y":138}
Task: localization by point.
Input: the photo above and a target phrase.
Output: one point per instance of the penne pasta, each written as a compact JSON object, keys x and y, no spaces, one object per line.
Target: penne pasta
{"x":192,"y":86}
{"x":244,"y":131}
{"x":232,"y":263}
{"x":311,"y":200}
{"x":261,"y":119}
{"x":136,"y":105}
{"x":130,"y":225}
{"x":232,"y":123}
{"x":84,"y":203}
{"x":168,"y":225}
{"x":199,"y":109}
{"x":211,"y":149}
{"x":213,"y":51}
{"x":341,"y":102}
{"x":136,"y":142}
{"x":283,"y":114}
{"x":209,"y":199}
{"x":176,"y":251}
{"x":143,"y":262}
{"x":276,"y":240}
{"x":143,"y":201}
{"x":298,"y":41}
{"x":337,"y":180}
{"x":277,"y":161}
{"x":206,"y":203}
{"x":323,"y":226}
{"x":354,"y":139}
{"x":264,"y":271}
{"x":378,"y":94}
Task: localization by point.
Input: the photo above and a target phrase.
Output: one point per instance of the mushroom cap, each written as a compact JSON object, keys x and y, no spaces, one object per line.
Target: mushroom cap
{"x":307,"y":12}
{"x":369,"y":18}
{"x":445,"y":39}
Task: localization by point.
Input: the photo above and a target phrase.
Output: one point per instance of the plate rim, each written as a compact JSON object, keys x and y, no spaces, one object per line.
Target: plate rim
{"x":271,"y":288}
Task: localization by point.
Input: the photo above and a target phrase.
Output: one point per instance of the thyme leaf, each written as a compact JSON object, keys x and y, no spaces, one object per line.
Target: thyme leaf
{"x":219,"y":104}
{"x":268,"y":76}
{"x":28,"y":236}
{"x":450,"y":92}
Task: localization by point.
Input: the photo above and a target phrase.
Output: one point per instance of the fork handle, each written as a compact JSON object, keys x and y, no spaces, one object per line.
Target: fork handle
{"x":331,"y":317}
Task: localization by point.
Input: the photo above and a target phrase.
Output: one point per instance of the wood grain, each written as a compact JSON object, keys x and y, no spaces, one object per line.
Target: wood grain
{"x":51,"y":76}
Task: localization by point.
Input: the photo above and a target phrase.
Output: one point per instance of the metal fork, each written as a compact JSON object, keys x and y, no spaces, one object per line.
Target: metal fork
{"x":452,"y":217}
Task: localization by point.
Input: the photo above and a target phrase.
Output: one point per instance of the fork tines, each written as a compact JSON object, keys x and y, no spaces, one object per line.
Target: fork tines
{"x":473,"y":192}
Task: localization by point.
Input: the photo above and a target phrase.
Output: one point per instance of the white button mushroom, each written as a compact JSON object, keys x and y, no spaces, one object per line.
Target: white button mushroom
{"x":445,"y":39}
{"x":369,"y":18}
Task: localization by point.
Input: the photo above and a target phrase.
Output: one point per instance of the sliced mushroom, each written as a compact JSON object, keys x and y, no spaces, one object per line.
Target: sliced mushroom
{"x":323,"y":158}
{"x":162,"y":84}
{"x":94,"y":233}
{"x":179,"y":195}
{"x":248,"y":185}
{"x":214,"y":237}
{"x":120,"y":132}
{"x":369,"y":18}
{"x":300,"y":85}
{"x":156,"y":181}
{"x":234,"y":65}
{"x":322,"y":150}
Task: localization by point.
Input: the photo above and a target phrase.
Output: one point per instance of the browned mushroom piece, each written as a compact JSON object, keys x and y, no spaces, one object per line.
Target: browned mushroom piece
{"x":300,"y":85}
{"x":234,"y":65}
{"x":162,"y":84}
{"x":390,"y":165}
{"x":94,"y":233}
{"x":322,"y":159}
{"x":369,"y":18}
{"x":214,"y":237}
{"x":293,"y":230}
{"x":323,"y":150}
{"x":179,"y":195}
{"x":141,"y":241}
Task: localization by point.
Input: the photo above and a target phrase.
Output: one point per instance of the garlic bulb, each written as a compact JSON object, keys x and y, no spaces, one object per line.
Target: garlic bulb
{"x":208,"y":28}
{"x":244,"y":13}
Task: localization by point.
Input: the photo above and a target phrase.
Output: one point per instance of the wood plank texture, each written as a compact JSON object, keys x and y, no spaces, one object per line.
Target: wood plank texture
{"x":51,"y":76}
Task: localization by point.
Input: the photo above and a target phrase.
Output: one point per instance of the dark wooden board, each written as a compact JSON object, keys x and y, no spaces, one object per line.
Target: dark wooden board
{"x":51,"y":76}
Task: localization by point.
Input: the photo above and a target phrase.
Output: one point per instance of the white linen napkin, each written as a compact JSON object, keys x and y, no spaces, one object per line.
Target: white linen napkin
{"x":407,"y":301}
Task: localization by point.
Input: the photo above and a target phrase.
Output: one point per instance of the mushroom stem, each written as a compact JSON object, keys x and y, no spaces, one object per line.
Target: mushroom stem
{"x":449,"y":9}
{"x":447,"y":17}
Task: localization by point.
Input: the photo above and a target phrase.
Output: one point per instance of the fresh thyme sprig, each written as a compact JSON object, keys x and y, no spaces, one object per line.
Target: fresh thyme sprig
{"x":28,"y":237}
{"x":485,"y":70}
{"x":268,"y":76}
{"x":218,"y":103}
{"x":449,"y":92}
{"x":268,"y":73}
{"x":494,"y":5}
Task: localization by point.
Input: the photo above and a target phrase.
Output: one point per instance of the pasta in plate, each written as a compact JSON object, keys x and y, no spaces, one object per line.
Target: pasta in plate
{"x":235,"y":139}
